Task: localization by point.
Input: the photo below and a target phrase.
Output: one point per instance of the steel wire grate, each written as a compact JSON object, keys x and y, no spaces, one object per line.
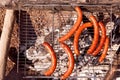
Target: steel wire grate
{"x":38,"y":25}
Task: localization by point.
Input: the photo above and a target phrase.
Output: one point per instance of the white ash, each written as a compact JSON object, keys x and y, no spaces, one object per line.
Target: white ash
{"x":39,"y":40}
{"x":57,"y":30}
{"x":30,"y":67}
{"x":82,"y":78}
{"x":109,"y":27}
{"x":40,"y":61}
{"x":115,"y":47}
{"x":41,"y":66}
{"x":118,"y":78}
{"x":96,"y":68}
{"x":74,"y":18}
{"x":29,"y":53}
{"x":64,"y":56}
{"x":56,"y":74}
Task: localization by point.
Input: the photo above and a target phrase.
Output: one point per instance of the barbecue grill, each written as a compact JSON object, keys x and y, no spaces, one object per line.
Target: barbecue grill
{"x":48,"y":20}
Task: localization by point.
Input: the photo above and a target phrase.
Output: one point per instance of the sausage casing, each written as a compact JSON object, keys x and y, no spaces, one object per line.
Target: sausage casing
{"x":71,"y":61}
{"x":53,"y":59}
{"x":106,"y":45}
{"x":102,"y":40}
{"x":75,"y":26}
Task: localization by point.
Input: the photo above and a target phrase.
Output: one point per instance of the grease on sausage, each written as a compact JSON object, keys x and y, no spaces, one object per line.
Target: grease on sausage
{"x":71,"y":61}
{"x":53,"y":59}
{"x":75,"y":26}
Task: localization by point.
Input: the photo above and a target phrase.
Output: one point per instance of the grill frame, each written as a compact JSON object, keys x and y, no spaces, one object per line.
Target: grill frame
{"x":53,"y":8}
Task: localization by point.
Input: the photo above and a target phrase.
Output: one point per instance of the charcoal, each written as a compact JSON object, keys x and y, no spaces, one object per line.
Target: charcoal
{"x":116,"y":32}
{"x":118,"y":51}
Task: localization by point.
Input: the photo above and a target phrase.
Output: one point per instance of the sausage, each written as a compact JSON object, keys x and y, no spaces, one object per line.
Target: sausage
{"x":53,"y":58}
{"x":106,"y":45}
{"x":102,"y":40}
{"x":75,"y":26}
{"x":77,"y":34}
{"x":71,"y":61}
{"x":96,"y":35}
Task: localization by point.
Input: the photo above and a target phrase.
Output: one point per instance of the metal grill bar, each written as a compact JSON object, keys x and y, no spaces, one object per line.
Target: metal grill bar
{"x":32,"y":35}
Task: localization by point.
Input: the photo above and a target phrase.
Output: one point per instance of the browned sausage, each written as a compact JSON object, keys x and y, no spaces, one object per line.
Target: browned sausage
{"x":53,"y":58}
{"x":75,"y":26}
{"x":77,"y":34}
{"x":71,"y":61}
{"x":102,"y":40}
{"x":106,"y":45}
{"x":96,"y":35}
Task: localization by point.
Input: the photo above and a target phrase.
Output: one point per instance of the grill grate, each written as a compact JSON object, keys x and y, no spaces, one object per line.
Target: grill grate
{"x":37,"y":26}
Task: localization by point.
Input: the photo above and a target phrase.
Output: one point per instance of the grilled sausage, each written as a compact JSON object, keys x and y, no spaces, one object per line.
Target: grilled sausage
{"x":75,"y":26}
{"x":106,"y":45}
{"x":53,"y":58}
{"x":96,"y":35}
{"x":77,"y":34}
{"x":102,"y":40}
{"x":71,"y":61}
